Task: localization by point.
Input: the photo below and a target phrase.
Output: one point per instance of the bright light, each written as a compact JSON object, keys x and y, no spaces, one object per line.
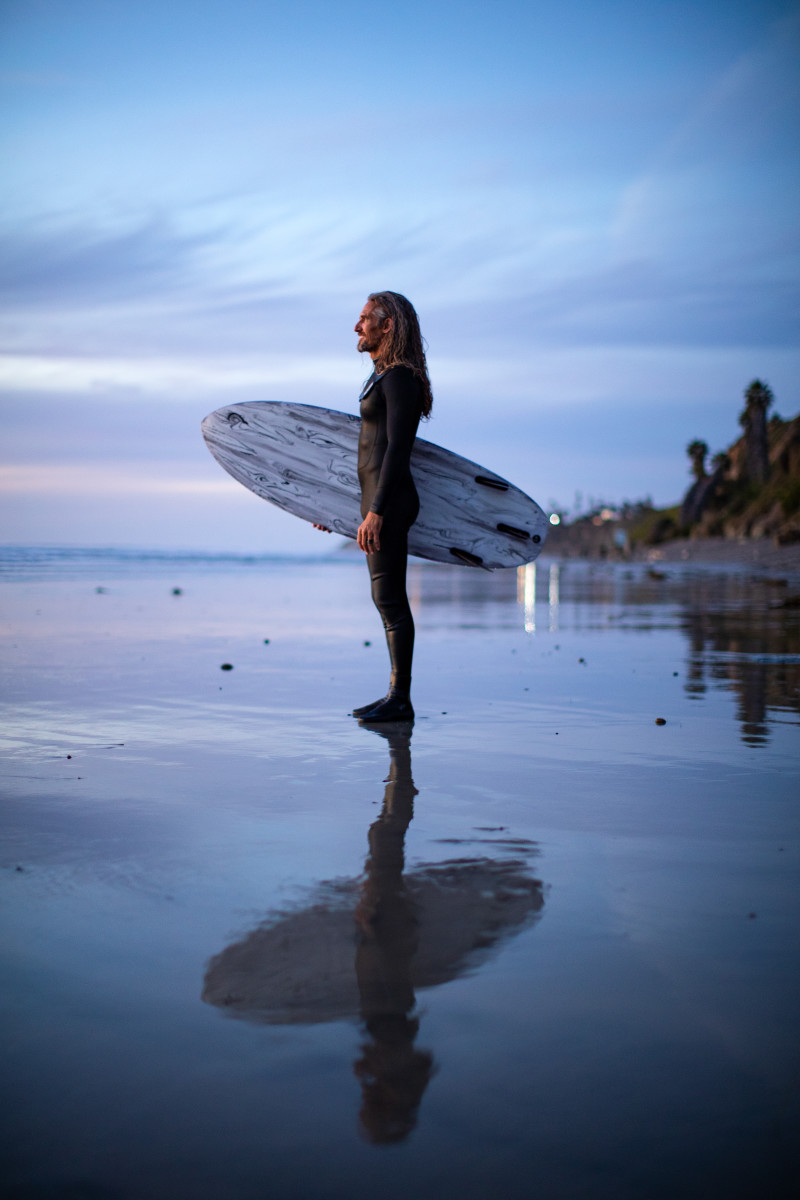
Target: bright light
{"x":555,"y":519}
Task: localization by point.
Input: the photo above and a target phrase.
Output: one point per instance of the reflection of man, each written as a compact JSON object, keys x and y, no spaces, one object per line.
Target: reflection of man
{"x":416,"y":930}
{"x":393,"y":1073}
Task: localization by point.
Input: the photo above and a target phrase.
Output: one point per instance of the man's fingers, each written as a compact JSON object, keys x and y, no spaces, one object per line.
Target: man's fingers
{"x":367,"y":538}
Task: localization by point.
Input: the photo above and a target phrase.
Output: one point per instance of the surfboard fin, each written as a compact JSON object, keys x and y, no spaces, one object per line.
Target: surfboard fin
{"x":522,"y":534}
{"x":469,"y":560}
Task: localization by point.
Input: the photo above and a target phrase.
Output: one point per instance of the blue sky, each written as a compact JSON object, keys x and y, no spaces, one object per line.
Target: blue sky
{"x":591,"y":204}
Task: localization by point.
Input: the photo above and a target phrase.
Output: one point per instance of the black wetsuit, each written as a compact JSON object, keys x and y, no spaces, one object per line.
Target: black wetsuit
{"x":391,"y":406}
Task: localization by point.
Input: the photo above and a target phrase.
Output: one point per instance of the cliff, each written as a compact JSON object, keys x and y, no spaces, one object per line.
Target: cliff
{"x":730,"y":504}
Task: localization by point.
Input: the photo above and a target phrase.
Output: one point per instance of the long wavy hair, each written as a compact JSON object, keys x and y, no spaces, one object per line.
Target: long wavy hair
{"x":403,"y":345}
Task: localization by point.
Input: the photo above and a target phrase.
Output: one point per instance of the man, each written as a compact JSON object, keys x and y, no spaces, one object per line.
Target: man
{"x":394,"y":398}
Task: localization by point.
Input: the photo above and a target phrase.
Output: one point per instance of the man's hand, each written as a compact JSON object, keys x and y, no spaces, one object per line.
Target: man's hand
{"x":369,"y":533}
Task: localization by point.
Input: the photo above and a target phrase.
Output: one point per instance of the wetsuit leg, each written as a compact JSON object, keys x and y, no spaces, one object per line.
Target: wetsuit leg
{"x":387,"y":569}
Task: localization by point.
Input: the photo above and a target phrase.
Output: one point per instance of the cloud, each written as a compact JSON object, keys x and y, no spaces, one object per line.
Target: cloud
{"x":170,"y":375}
{"x":518,"y":227}
{"x":159,"y":305}
{"x":80,"y":261}
{"x":736,"y":142}
{"x":117,"y":480}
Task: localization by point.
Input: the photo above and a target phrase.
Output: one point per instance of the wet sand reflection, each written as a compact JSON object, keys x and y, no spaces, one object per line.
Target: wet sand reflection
{"x":749,"y":644}
{"x":742,"y":630}
{"x":363,"y":948}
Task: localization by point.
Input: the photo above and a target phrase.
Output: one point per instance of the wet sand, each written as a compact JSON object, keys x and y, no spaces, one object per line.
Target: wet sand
{"x":536,"y":944}
{"x":757,"y":553}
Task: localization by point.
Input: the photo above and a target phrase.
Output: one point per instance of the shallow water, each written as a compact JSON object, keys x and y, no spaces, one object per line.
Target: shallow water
{"x":538,"y":944}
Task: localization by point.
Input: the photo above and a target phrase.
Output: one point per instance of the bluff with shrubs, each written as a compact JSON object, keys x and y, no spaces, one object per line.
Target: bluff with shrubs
{"x":753,"y":488}
{"x":750,"y":490}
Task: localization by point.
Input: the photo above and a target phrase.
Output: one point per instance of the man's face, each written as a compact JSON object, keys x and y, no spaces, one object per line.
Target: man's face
{"x":371,"y":329}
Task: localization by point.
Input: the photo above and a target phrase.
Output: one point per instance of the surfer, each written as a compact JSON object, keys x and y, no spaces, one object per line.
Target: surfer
{"x":394,"y":398}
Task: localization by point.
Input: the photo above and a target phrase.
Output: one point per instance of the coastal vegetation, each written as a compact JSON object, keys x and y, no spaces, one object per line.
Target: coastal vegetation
{"x":751,"y":489}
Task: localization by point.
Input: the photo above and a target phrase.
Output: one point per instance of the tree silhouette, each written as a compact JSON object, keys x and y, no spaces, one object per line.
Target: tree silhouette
{"x":753,"y":420}
{"x":697,"y":452}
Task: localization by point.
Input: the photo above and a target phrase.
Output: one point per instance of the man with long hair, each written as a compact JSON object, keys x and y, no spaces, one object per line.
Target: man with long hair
{"x":394,"y":398}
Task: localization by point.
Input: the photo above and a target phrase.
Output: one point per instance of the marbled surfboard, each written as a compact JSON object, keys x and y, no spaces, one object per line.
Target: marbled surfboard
{"x":303,"y":459}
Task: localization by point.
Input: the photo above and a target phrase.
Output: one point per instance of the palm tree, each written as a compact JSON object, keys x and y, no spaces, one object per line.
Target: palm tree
{"x":697,"y":452}
{"x":753,"y":420}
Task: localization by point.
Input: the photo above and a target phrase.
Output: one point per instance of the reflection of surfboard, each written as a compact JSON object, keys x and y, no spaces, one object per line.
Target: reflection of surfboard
{"x":299,"y":967}
{"x":303,"y":459}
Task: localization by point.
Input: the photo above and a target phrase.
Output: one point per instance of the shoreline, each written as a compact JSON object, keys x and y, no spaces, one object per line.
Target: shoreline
{"x":38,"y":562}
{"x":704,"y":552}
{"x":758,"y":552}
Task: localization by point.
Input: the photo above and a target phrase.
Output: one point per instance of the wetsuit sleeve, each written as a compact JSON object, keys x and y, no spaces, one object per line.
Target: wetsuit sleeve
{"x":401,"y":393}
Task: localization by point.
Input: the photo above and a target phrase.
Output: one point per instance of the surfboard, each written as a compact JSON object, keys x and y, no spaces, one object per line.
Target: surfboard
{"x":303,"y":459}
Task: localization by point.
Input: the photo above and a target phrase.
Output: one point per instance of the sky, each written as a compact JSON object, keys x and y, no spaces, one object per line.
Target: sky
{"x":592,"y":204}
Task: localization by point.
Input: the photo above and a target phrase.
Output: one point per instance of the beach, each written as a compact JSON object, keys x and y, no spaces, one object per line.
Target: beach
{"x":543,"y":942}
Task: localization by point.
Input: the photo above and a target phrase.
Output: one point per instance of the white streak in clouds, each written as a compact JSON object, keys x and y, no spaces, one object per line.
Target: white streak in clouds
{"x":167,"y":376}
{"x":110,"y":481}
{"x":536,"y":377}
